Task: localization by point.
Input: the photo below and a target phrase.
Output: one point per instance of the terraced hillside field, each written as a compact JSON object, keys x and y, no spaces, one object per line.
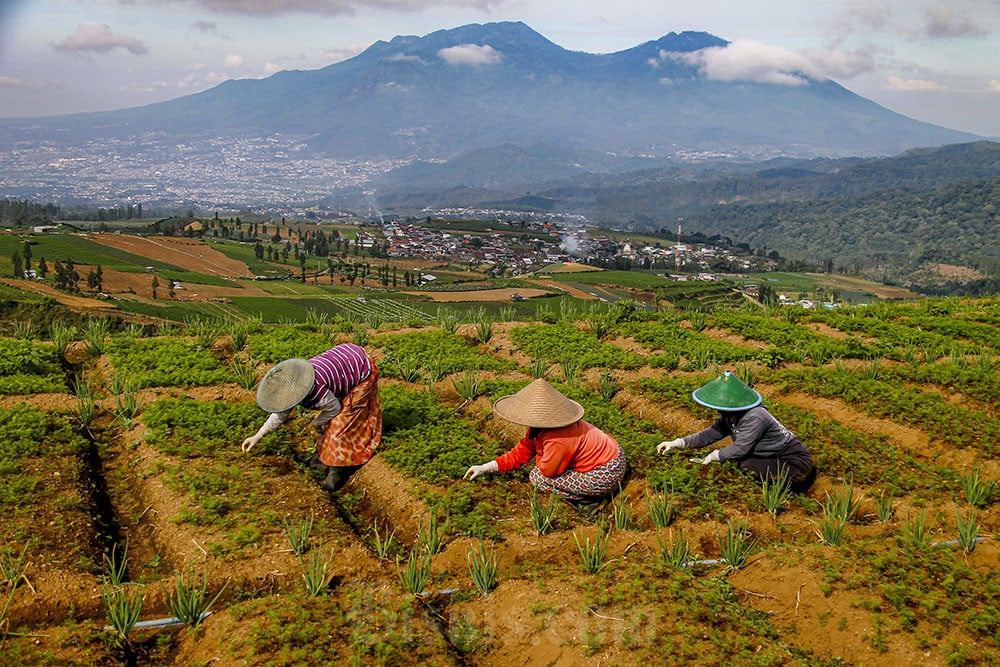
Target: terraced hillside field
{"x":122,"y":482}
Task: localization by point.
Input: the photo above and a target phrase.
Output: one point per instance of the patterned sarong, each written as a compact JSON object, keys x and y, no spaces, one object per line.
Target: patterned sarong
{"x":600,"y":481}
{"x":352,"y":436}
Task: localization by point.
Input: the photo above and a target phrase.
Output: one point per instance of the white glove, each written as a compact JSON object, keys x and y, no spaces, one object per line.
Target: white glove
{"x":713,"y":456}
{"x":667,"y":445}
{"x":271,"y":424}
{"x":475,"y":471}
{"x":250,"y":443}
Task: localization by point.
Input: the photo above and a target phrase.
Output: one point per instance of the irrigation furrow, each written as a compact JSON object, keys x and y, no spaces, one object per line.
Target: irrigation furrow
{"x":107,"y":528}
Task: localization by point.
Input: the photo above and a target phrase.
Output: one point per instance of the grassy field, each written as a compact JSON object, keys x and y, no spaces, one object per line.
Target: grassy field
{"x":848,"y":289}
{"x":59,"y":247}
{"x":634,"y":279}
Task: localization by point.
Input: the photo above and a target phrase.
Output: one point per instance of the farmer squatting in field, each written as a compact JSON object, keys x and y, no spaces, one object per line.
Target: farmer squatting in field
{"x":573,"y":458}
{"x":342,"y":383}
{"x":761,"y":444}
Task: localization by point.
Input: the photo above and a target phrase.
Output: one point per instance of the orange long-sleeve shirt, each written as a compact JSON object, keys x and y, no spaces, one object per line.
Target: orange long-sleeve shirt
{"x":580,"y":447}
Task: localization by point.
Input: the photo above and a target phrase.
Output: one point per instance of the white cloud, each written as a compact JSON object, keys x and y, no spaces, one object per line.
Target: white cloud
{"x":214,"y":78}
{"x":336,"y":55}
{"x":861,"y":16}
{"x":470,"y":54}
{"x":402,"y":57}
{"x":994,"y":86}
{"x":200,"y":77}
{"x":99,"y":38}
{"x":842,"y":64}
{"x":896,"y":83}
{"x":748,"y":60}
{"x":233,"y":60}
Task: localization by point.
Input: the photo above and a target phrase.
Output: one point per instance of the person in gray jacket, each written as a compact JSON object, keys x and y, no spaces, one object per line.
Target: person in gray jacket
{"x":761,"y":444}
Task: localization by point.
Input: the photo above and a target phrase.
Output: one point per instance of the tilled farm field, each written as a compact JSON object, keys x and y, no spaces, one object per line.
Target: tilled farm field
{"x":122,"y":484}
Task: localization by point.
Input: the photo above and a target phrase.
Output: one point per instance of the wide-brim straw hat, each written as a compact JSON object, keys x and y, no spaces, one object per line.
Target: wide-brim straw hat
{"x":539,"y":405}
{"x":285,"y":385}
{"x":727,"y":392}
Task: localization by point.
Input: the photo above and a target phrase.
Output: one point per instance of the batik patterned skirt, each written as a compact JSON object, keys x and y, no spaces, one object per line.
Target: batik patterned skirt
{"x":601,"y":481}
{"x":352,"y":437}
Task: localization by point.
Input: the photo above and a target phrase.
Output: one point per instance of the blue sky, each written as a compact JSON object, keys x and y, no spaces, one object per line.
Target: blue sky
{"x":932,"y":60}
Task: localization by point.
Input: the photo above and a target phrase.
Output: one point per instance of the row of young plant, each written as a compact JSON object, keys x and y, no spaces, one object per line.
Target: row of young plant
{"x":418,"y":345}
{"x":564,"y":342}
{"x":892,"y":336}
{"x":956,"y":326}
{"x":953,"y":424}
{"x":841,"y":452}
{"x":664,"y":335}
{"x":589,"y":547}
{"x":380,"y":310}
{"x":930,"y":547}
{"x":29,"y":368}
{"x":782,"y":332}
{"x":977,"y":378}
{"x":40,"y":468}
{"x":901,"y":339}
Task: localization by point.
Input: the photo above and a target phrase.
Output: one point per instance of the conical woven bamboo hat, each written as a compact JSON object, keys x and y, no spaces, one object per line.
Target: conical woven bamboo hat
{"x":285,"y":385}
{"x":727,"y":392}
{"x":539,"y":405}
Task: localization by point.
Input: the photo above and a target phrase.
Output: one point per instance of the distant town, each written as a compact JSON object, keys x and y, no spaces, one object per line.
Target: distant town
{"x":541,"y":243}
{"x":231,"y":174}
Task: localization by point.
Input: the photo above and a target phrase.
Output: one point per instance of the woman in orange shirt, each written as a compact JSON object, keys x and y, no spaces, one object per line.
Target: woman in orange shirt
{"x":573,"y":458}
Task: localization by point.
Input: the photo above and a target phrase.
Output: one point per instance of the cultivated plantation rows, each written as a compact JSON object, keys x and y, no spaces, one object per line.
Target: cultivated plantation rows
{"x":126,"y":500}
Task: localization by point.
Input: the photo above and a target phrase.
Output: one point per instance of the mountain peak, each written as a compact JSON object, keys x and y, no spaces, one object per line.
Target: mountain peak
{"x":483,"y":85}
{"x":499,"y":33}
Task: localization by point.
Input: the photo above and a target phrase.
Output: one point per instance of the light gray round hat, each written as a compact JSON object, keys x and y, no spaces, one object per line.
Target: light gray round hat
{"x":285,"y":385}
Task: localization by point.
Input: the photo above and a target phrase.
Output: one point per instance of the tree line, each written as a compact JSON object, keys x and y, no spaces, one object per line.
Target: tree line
{"x":887,"y":236}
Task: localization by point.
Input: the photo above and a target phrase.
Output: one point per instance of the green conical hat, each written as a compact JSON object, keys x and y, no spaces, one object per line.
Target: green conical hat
{"x":726,"y":392}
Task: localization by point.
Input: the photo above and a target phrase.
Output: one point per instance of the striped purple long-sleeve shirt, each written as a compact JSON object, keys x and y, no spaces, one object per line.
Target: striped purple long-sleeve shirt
{"x":338,"y":370}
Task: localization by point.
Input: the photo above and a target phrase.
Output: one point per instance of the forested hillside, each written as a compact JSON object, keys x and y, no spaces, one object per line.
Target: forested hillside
{"x":650,"y":198}
{"x":897,"y":230}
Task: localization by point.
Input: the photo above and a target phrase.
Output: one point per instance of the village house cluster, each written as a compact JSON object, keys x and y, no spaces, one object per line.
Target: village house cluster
{"x":536,"y":243}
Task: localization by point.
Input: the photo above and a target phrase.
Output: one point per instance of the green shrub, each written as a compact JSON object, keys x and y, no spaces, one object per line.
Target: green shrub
{"x":284,"y":342}
{"x":29,"y":368}
{"x":436,"y":452}
{"x":564,"y":343}
{"x":166,"y":362}
{"x":27,"y":431}
{"x":436,"y":351}
{"x":186,"y":427}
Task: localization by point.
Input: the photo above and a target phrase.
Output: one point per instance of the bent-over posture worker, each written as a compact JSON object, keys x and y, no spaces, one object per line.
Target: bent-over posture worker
{"x":342,"y":383}
{"x":573,"y":458}
{"x":761,"y":444}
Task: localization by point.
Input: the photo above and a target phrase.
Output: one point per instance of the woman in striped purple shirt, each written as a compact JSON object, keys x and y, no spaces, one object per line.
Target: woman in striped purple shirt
{"x":342,"y":383}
